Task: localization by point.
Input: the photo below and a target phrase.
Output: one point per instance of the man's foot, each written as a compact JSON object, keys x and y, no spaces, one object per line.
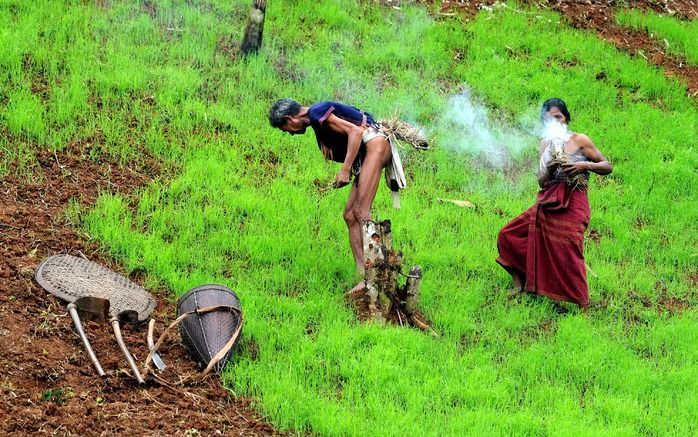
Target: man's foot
{"x":358,"y":287}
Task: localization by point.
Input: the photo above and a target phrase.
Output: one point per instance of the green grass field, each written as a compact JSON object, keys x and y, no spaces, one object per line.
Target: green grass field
{"x":244,"y":209}
{"x":678,"y":36}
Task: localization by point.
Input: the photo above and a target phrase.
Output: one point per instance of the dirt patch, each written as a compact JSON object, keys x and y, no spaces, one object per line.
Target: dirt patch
{"x":693,"y":279}
{"x":682,"y":9}
{"x":599,"y":16}
{"x":150,"y":7}
{"x":228,"y":46}
{"x":595,"y":236}
{"x":398,"y":315}
{"x":447,"y":8}
{"x":660,"y":301}
{"x":47,"y":384}
{"x":464,"y":8}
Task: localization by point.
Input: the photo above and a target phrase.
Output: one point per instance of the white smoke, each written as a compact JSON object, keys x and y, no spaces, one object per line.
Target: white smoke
{"x":467,"y":126}
{"x":554,"y":131}
{"x":555,"y":134}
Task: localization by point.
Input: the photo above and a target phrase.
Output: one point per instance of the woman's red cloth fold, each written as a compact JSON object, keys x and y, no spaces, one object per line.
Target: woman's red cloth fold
{"x":545,"y":245}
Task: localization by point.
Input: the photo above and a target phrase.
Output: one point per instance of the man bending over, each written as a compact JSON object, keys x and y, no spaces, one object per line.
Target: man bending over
{"x":351,"y":137}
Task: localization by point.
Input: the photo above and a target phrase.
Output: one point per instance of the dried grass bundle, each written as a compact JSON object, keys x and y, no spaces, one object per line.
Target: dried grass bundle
{"x":559,"y":156}
{"x":405,"y":132}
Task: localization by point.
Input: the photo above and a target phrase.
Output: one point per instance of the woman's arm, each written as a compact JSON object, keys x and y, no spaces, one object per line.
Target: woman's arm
{"x":597,"y":162}
{"x":544,"y":174}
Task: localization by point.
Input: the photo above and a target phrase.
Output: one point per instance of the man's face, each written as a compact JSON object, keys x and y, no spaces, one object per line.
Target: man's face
{"x":294,"y":125}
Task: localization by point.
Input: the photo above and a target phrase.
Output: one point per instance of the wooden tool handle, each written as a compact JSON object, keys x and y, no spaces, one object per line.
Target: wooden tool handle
{"x":72,"y":309}
{"x":119,"y":339}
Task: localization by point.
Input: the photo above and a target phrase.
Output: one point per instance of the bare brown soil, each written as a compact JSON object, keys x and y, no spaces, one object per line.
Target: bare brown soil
{"x":358,"y":301}
{"x":466,"y":8}
{"x":599,"y":16}
{"x":47,"y":384}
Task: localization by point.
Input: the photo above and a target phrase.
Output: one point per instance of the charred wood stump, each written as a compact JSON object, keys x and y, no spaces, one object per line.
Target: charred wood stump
{"x":382,"y":298}
{"x":252,"y":40}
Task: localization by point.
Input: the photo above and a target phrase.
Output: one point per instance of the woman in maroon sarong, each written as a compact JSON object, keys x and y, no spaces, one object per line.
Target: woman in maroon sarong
{"x":543,"y":248}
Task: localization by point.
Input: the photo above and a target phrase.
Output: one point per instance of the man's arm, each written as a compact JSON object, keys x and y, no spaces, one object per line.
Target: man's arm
{"x":353,"y":133}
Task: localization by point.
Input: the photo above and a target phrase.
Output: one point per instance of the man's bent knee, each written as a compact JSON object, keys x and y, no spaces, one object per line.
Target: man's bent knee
{"x":360,"y":214}
{"x":349,"y":216}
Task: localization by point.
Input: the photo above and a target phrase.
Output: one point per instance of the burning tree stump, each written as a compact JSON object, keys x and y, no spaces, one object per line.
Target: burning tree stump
{"x":382,"y":299}
{"x":252,"y":41}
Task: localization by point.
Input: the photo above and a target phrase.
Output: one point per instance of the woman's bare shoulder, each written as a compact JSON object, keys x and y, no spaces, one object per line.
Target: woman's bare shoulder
{"x":581,"y":140}
{"x":578,"y":136}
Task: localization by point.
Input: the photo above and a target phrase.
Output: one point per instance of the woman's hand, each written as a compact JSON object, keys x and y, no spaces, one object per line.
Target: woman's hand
{"x":543,"y":176}
{"x":575,"y":168}
{"x":552,"y":166}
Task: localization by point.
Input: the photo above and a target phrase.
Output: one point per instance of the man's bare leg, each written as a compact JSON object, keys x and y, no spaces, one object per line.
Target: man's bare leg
{"x":354,"y":227}
{"x":358,"y":207}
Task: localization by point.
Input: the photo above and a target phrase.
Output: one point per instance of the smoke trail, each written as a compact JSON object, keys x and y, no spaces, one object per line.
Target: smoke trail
{"x":554,"y":131}
{"x":466,"y":126}
{"x":556,"y":135}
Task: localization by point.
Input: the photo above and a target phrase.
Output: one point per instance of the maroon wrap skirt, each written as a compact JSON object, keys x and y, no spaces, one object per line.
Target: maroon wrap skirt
{"x":545,"y":245}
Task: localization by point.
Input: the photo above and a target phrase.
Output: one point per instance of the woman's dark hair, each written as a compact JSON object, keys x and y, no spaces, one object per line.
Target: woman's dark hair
{"x":280,"y":109}
{"x":555,"y":103}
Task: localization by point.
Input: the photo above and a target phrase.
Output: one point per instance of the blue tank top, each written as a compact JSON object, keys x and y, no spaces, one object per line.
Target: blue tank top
{"x":336,"y":141}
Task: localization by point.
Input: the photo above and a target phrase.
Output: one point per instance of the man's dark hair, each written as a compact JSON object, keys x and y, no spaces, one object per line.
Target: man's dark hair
{"x":555,"y":103}
{"x":280,"y":109}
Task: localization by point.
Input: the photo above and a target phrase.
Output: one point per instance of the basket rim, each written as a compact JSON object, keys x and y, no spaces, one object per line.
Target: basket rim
{"x":209,"y":286}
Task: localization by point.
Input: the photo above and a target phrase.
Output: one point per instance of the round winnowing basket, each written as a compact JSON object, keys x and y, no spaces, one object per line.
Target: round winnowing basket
{"x":204,"y":335}
{"x":70,"y":278}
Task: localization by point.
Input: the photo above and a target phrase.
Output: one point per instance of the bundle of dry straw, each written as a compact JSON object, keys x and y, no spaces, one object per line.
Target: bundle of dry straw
{"x":559,"y":156}
{"x":405,"y":132}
